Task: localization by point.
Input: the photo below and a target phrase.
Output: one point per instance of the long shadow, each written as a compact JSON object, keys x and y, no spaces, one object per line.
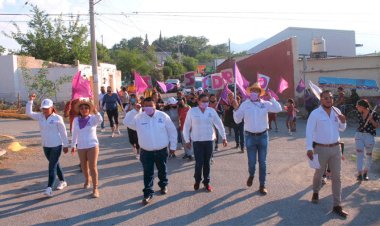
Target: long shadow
{"x":134,"y":205}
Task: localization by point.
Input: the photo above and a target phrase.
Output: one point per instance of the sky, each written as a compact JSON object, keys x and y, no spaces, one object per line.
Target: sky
{"x":240,"y":21}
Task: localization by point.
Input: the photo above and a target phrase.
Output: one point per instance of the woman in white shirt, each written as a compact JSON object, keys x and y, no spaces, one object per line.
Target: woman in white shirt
{"x":85,"y":140}
{"x":53,"y":134}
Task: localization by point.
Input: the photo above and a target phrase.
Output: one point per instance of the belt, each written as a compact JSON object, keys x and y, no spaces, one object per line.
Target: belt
{"x":255,"y":134}
{"x":326,"y":145}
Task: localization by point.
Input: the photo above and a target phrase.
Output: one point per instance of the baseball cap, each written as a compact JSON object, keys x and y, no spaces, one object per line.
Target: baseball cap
{"x":47,"y":103}
{"x":172,"y":100}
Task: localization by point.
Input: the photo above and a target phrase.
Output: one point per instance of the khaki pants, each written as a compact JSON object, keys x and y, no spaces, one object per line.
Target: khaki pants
{"x":89,"y":164}
{"x":331,"y":156}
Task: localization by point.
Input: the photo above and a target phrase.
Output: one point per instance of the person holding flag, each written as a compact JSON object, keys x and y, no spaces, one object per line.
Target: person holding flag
{"x":254,"y":112}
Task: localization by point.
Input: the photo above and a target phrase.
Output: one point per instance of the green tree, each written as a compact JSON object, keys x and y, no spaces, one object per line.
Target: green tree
{"x":135,"y":43}
{"x":189,"y":63}
{"x":177,"y":68}
{"x":53,"y":40}
{"x":2,"y":50}
{"x":103,"y":53}
{"x":40,"y":84}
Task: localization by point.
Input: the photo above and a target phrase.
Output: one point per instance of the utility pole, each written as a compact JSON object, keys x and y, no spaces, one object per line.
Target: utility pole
{"x":229,"y":48}
{"x":94,"y":56}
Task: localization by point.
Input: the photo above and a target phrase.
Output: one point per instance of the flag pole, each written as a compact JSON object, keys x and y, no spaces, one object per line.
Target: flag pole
{"x":235,"y":81}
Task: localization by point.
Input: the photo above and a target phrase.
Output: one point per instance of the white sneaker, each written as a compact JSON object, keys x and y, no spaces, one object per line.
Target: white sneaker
{"x":113,"y":134}
{"x":118,"y":131}
{"x":137,"y":156}
{"x":61,"y":185}
{"x":103,"y":130}
{"x":48,"y":192}
{"x":212,"y":161}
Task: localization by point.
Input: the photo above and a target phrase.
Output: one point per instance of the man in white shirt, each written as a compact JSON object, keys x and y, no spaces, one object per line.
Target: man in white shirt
{"x":199,"y":129}
{"x":254,"y":111}
{"x":156,"y":132}
{"x":100,"y":109}
{"x":322,"y":138}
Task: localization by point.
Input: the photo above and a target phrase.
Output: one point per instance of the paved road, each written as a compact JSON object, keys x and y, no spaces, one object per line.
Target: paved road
{"x":23,"y":176}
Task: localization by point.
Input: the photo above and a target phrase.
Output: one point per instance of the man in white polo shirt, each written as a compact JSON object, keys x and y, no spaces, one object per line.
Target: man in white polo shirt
{"x":199,"y":129}
{"x":254,"y":111}
{"x":322,"y":138}
{"x":156,"y":132}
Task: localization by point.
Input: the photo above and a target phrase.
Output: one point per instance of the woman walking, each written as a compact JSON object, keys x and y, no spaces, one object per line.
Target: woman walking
{"x":85,"y":140}
{"x":110,"y":101}
{"x":54,"y":135}
{"x":365,"y":138}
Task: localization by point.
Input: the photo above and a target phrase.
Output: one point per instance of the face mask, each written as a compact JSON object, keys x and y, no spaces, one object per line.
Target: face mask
{"x":204,"y":105}
{"x":108,"y":91}
{"x":133,"y":100}
{"x":149,"y":110}
{"x":254,"y":96}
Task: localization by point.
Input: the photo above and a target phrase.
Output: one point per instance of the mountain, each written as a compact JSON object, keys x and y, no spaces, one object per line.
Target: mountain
{"x":237,"y":48}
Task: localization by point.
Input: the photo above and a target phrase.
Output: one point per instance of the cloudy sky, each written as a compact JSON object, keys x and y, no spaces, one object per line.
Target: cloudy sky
{"x":217,"y":20}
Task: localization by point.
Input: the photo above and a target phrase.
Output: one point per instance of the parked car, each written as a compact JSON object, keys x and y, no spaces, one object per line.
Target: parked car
{"x":175,"y":82}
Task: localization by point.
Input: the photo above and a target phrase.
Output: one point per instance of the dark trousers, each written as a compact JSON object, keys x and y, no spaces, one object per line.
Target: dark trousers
{"x":113,"y":115}
{"x":148,"y":160}
{"x":202,"y":153}
{"x":239,"y":134}
{"x":133,"y":139}
{"x":52,"y":154}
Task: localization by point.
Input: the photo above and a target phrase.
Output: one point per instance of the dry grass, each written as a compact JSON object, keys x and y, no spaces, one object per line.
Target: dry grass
{"x":7,"y":114}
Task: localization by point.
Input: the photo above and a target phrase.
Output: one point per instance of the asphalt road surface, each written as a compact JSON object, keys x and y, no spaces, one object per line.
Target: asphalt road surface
{"x":23,"y":176}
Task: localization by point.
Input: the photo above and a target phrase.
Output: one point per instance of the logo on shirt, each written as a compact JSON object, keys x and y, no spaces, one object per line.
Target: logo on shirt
{"x":160,"y":120}
{"x":51,"y":122}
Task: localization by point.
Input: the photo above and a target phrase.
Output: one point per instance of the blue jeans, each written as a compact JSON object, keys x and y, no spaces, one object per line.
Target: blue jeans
{"x":257,"y":145}
{"x":239,"y":134}
{"x":102,"y":124}
{"x":202,"y":153}
{"x":148,"y":160}
{"x":52,"y":155}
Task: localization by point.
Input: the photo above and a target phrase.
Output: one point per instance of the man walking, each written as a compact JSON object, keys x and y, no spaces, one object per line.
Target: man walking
{"x":199,"y":129}
{"x":254,"y":111}
{"x":155,"y":131}
{"x":322,"y":139}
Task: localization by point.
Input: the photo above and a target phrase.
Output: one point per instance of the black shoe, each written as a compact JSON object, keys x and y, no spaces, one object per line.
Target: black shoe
{"x":237,"y":146}
{"x":241,"y":150}
{"x":359,"y":178}
{"x":172,"y":155}
{"x":196,"y":185}
{"x":365,"y":177}
{"x":185,"y":156}
{"x":190,"y":158}
{"x":164,"y":190}
{"x":339,"y":210}
{"x":147,"y":200}
{"x":250,"y":181}
{"x":263,"y":190}
{"x":315,"y":198}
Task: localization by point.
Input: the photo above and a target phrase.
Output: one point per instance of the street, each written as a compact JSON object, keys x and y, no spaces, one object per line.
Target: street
{"x":23,"y":176}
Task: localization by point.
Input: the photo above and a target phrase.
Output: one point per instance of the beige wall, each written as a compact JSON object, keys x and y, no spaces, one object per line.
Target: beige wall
{"x":8,"y":78}
{"x":363,"y":67}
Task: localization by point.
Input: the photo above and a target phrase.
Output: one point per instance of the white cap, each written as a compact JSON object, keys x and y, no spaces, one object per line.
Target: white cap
{"x":200,"y":89}
{"x":47,"y":103}
{"x":172,"y":100}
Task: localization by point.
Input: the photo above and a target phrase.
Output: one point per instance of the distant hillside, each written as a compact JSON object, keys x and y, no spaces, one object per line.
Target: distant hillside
{"x":237,"y":48}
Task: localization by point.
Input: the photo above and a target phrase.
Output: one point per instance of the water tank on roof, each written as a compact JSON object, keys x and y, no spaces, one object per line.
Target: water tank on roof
{"x":318,"y":44}
{"x":318,"y":48}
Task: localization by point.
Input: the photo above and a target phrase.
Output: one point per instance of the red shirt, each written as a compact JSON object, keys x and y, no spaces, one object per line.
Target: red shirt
{"x":182,"y":112}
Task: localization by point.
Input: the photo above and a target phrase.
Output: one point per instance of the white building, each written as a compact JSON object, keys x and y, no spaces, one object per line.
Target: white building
{"x":339,"y":43}
{"x":12,"y":82}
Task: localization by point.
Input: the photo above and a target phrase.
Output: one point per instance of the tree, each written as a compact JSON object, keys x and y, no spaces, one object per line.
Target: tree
{"x":103,"y":53}
{"x":146,"y":42}
{"x":189,"y":63}
{"x":40,"y":84}
{"x":2,"y":50}
{"x":135,"y":43}
{"x":176,"y":68}
{"x":52,"y":40}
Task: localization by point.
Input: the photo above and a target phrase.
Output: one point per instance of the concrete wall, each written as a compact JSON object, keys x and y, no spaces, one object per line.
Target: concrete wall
{"x":363,"y":67}
{"x":8,"y":78}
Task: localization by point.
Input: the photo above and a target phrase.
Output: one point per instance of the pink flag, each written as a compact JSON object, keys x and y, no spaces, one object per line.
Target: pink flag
{"x":273,"y":94}
{"x":283,"y":85}
{"x":162,"y":86}
{"x":241,"y":82}
{"x":204,"y":82}
{"x":263,"y":80}
{"x":81,"y":87}
{"x":141,"y":86}
{"x":225,"y":92}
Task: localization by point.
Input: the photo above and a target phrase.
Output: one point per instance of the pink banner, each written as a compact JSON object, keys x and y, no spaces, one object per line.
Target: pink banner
{"x":241,"y":82}
{"x":148,"y":80}
{"x":263,"y":80}
{"x":189,"y":79}
{"x":81,"y":87}
{"x":217,"y":81}
{"x":228,"y":75}
{"x":162,"y":86}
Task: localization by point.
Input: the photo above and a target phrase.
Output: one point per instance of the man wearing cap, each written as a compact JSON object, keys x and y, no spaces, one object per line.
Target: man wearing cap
{"x":155,"y":131}
{"x":199,"y":129}
{"x":172,"y":110}
{"x":254,"y":111}
{"x":322,"y":138}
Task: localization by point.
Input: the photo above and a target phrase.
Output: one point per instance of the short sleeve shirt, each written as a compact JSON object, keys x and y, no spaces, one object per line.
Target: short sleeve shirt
{"x":369,"y":128}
